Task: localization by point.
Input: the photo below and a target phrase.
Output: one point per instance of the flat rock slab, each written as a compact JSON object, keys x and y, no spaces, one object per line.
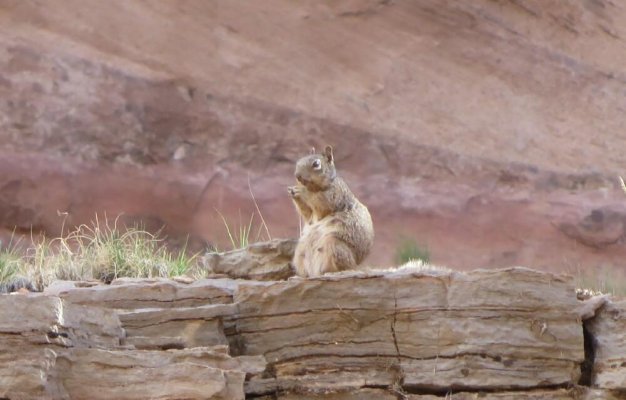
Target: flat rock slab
{"x":183,"y":327}
{"x":494,"y":330}
{"x":25,"y":369}
{"x":138,"y":374}
{"x":608,"y":330}
{"x":35,"y":328}
{"x":146,"y":293}
{"x":160,"y":313}
{"x":39,"y":319}
{"x":576,"y":393}
{"x":265,"y":261}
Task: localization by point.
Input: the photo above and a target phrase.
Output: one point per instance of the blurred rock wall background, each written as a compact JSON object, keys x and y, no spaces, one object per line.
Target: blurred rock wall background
{"x":491,"y":132}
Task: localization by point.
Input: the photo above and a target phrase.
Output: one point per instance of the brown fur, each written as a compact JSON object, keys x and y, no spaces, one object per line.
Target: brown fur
{"x":338,"y":232}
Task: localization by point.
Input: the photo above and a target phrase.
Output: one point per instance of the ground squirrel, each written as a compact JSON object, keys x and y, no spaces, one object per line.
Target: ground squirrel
{"x":338,"y":231}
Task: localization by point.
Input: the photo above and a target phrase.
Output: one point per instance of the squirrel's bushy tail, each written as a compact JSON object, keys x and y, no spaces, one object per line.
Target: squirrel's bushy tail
{"x":337,"y":255}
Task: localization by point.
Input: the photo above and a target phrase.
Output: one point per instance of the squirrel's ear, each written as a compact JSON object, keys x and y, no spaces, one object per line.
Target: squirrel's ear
{"x":312,"y":151}
{"x":328,"y":152}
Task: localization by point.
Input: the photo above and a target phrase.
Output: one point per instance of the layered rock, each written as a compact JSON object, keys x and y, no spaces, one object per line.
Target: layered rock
{"x":608,"y":346}
{"x":128,"y":293}
{"x":391,"y":394}
{"x":176,"y":327}
{"x":507,"y":329}
{"x":55,"y":347}
{"x":411,"y":333}
{"x":160,"y":313}
{"x":267,"y":261}
{"x":131,"y":374}
{"x":35,"y":329}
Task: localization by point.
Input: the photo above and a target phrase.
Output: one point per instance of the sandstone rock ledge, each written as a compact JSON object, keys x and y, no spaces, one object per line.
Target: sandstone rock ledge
{"x":404,"y":334}
{"x":607,"y":333}
{"x":485,"y":330}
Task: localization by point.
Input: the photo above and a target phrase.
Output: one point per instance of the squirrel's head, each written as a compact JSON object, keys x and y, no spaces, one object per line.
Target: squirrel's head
{"x":316,"y":171}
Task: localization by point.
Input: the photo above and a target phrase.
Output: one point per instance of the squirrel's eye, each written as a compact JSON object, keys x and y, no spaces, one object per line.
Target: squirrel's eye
{"x":317,"y":164}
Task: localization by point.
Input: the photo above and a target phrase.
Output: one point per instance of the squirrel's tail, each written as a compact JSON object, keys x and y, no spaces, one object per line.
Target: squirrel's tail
{"x":338,"y":255}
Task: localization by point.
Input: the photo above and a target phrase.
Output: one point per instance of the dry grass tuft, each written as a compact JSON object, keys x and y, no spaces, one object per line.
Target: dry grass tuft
{"x":97,"y":251}
{"x":10,"y":261}
{"x":604,"y":280}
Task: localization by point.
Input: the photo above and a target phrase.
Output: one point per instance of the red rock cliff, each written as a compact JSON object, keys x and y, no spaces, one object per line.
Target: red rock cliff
{"x":489,"y":130}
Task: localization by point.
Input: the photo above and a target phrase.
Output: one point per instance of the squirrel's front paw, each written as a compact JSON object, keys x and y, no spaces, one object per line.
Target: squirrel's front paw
{"x":294,"y":191}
